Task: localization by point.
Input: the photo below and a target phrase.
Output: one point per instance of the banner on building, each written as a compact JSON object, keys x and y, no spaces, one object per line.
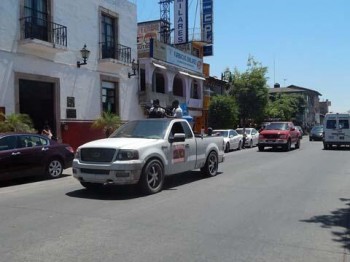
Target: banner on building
{"x":180,"y":21}
{"x":145,"y":32}
{"x":207,"y":21}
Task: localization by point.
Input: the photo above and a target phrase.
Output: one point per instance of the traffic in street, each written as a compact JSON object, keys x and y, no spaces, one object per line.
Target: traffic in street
{"x":273,"y":205}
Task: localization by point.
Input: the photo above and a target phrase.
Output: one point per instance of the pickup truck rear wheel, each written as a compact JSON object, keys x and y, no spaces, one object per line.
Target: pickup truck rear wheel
{"x":211,"y":165}
{"x":297,"y":145}
{"x":152,"y":177}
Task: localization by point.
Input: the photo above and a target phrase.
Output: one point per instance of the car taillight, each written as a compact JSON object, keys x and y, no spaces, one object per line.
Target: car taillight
{"x":70,"y":149}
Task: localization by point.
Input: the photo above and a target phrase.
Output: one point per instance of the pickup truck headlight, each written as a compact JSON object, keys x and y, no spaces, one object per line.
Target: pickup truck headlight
{"x":77,"y":154}
{"x":126,"y":154}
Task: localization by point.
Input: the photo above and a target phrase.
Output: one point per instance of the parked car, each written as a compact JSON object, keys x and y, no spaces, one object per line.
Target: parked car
{"x":23,"y":154}
{"x":316,"y":133}
{"x":300,"y":131}
{"x":232,"y":139}
{"x":252,"y":136}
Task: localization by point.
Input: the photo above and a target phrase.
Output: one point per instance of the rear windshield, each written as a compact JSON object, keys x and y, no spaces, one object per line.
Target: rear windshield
{"x":317,"y":129}
{"x":277,"y":126}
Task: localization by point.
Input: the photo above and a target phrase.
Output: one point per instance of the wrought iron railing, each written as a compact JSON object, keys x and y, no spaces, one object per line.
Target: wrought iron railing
{"x":115,"y":51}
{"x":37,"y":28}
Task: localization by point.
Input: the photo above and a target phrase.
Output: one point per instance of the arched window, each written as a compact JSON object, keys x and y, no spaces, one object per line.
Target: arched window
{"x":178,"y":89}
{"x":195,"y":90}
{"x":158,"y":82}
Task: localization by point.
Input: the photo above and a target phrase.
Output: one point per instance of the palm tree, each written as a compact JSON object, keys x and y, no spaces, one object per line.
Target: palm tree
{"x":108,"y":122}
{"x":16,"y":123}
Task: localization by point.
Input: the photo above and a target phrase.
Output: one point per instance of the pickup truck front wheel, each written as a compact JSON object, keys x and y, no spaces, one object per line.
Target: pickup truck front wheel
{"x":152,"y":177}
{"x":211,"y":165}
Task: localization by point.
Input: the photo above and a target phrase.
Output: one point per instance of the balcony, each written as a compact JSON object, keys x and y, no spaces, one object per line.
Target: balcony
{"x":43,"y":35}
{"x":112,"y":53}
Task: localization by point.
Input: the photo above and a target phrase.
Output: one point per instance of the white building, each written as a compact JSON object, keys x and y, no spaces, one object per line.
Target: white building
{"x":40,"y":46}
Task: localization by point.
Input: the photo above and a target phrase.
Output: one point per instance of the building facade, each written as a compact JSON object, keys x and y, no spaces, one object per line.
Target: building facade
{"x":311,"y":115}
{"x":40,"y":47}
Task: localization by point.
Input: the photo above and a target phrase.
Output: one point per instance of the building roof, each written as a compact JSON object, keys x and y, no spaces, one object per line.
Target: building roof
{"x":292,"y":89}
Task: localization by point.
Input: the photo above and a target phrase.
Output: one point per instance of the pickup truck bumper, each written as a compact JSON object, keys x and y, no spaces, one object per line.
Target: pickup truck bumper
{"x":272,"y":143}
{"x":119,"y":172}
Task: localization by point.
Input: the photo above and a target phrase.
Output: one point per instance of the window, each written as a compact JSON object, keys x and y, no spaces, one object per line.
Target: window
{"x":343,"y":124}
{"x":109,"y":36}
{"x":142,"y":80}
{"x":158,"y":82}
{"x":109,"y":97}
{"x":331,"y":124}
{"x":178,"y":86}
{"x":7,"y":143}
{"x":188,"y":131}
{"x":36,"y":19}
{"x":195,"y":90}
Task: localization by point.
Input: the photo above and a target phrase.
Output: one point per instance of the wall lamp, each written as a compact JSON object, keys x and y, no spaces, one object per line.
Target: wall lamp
{"x":134,"y":68}
{"x":85,"y":55}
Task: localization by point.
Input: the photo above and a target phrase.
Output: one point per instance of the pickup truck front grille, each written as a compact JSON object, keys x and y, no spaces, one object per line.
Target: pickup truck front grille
{"x":271,"y":136}
{"x":101,"y":155}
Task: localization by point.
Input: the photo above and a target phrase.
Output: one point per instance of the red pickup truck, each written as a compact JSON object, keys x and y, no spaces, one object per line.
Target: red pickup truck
{"x":279,"y":134}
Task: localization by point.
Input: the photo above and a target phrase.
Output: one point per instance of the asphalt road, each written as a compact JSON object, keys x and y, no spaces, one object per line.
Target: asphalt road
{"x":263,"y":206}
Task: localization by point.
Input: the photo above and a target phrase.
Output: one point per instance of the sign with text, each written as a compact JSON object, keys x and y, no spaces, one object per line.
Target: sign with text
{"x":207,"y":21}
{"x":180,"y":21}
{"x":175,"y":56}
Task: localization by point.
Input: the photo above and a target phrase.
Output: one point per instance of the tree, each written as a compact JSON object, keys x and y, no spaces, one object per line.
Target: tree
{"x":286,"y":106}
{"x":250,"y":91}
{"x":223,"y":112}
{"x":16,"y":123}
{"x":108,"y":122}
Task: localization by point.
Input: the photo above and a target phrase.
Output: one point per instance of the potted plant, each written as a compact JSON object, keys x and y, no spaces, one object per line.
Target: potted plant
{"x":108,"y":122}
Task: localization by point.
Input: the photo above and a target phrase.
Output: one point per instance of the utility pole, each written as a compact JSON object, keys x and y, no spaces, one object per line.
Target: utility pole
{"x":165,"y":20}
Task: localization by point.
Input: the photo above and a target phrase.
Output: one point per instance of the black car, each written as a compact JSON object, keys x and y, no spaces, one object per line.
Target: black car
{"x":24,"y":154}
{"x":316,"y":133}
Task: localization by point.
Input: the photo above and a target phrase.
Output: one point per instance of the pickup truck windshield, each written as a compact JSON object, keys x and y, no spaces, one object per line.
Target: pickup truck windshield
{"x":151,"y":129}
{"x":277,"y":126}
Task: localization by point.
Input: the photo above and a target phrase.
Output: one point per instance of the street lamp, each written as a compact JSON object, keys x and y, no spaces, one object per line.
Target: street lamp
{"x":134,"y":68}
{"x":85,"y":55}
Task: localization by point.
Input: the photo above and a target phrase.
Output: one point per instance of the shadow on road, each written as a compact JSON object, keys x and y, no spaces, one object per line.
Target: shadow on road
{"x":116,"y":192}
{"x":26,"y":180}
{"x":339,"y":218}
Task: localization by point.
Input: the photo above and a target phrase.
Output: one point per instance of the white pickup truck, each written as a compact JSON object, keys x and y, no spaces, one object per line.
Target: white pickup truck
{"x":144,"y":152}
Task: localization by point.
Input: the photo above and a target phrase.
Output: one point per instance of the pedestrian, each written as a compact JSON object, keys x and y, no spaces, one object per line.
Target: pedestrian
{"x":47,"y":131}
{"x":244,"y":137}
{"x":156,"y":111}
{"x":177,"y":111}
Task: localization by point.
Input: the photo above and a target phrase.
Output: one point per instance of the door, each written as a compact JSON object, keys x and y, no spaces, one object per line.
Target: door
{"x":30,"y":159}
{"x":40,"y":107}
{"x":8,"y":157}
{"x":182,"y":155}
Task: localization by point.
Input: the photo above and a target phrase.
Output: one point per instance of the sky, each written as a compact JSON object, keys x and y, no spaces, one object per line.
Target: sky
{"x":301,"y":42}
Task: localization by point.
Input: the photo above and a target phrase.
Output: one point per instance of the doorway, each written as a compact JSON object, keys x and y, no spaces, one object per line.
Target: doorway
{"x":37,"y":100}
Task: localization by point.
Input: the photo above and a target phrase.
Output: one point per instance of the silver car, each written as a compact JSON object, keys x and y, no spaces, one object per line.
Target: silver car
{"x":252,"y":136}
{"x":233,"y":140}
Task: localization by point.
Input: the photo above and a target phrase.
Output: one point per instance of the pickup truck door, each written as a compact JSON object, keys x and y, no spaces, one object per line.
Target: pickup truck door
{"x":182,"y":154}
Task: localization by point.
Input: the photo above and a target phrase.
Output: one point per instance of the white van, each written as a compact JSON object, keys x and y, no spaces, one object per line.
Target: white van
{"x":336,"y":130}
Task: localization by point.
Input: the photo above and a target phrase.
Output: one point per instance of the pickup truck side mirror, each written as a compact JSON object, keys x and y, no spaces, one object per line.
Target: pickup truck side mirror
{"x":292,"y":129}
{"x":178,"y":137}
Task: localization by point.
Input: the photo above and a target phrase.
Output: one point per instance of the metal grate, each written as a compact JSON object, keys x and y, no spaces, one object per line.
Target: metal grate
{"x":101,"y":155}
